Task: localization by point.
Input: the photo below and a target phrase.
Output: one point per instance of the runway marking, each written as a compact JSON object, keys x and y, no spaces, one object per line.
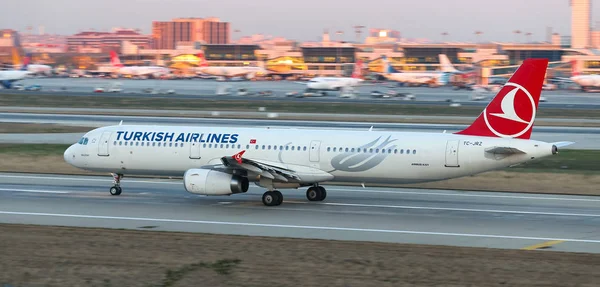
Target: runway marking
{"x":308,"y":227}
{"x":543,"y":245}
{"x":469,"y":195}
{"x":460,"y":209}
{"x":74,"y":178}
{"x":33,"y":190}
{"x":350,"y":189}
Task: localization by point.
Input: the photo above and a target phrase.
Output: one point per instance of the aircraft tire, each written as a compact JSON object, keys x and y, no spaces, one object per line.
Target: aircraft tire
{"x":323,"y":193}
{"x":271,"y":198}
{"x":115,"y":190}
{"x":279,"y":197}
{"x":313,"y":193}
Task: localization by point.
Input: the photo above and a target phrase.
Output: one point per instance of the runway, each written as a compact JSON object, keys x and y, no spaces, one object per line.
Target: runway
{"x":206,"y":89}
{"x":441,"y":217}
{"x":584,"y":137}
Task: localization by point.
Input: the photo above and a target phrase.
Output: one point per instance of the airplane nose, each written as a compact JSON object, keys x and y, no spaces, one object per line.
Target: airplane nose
{"x":69,"y":155}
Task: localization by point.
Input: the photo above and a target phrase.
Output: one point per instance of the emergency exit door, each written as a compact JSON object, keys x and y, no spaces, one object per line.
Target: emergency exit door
{"x":452,"y":154}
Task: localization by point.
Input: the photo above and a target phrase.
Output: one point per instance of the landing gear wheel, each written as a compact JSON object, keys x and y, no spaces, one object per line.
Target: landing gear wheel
{"x":115,"y":190}
{"x":272,"y":198}
{"x":279,"y":196}
{"x":313,"y":193}
{"x":323,"y":193}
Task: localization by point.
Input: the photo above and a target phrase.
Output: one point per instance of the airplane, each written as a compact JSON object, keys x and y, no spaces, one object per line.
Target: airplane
{"x":586,"y":82}
{"x":34,"y":69}
{"x":432,"y":79}
{"x":7,"y":78}
{"x":136,"y":71}
{"x":217,"y":161}
{"x":337,"y":83}
{"x":226,"y":72}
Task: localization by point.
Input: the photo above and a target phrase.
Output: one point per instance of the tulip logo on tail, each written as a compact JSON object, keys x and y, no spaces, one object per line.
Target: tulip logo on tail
{"x":511,"y":112}
{"x":515,"y":114}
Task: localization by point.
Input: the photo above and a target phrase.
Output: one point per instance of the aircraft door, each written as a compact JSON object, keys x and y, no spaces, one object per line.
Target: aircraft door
{"x":452,"y":154}
{"x":103,"y":144}
{"x":195,"y":150}
{"x":314,"y":151}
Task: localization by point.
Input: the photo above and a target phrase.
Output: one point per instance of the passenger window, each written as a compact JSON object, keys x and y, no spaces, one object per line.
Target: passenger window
{"x":256,"y":147}
{"x":247,"y":146}
{"x":414,"y":151}
{"x":346,"y":149}
{"x":287,"y":147}
{"x":395,"y":151}
{"x":120,"y":143}
{"x":153,"y":144}
{"x":170,"y":144}
{"x":304,"y":148}
{"x":204,"y":145}
{"x":376,"y":150}
{"x":293,"y":147}
{"x":328,"y":148}
{"x":227,"y":146}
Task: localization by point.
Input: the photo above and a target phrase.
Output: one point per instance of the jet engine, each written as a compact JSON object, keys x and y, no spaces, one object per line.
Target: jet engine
{"x":213,"y":182}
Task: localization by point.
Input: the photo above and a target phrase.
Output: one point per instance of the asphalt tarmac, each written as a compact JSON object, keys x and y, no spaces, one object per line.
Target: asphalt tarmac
{"x":584,"y":137}
{"x":440,"y":217}
{"x":199,"y":88}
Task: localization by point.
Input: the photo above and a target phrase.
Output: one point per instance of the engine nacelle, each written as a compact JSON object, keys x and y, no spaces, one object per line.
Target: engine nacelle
{"x":213,"y":182}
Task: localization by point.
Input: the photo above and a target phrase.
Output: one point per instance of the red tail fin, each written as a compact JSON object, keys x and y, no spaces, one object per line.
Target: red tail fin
{"x":574,"y":70}
{"x":203,"y":62}
{"x":114,"y":59}
{"x":357,"y":73}
{"x":512,"y":111}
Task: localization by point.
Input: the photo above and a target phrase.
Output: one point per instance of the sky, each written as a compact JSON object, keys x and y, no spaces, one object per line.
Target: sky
{"x":305,"y":20}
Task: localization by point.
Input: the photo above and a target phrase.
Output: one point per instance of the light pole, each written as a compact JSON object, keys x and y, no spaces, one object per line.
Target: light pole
{"x":517,"y":52}
{"x":477,"y":33}
{"x":237,"y":45}
{"x":338,"y":60}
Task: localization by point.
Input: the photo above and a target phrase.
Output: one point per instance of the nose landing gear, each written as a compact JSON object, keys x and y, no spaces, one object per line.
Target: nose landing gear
{"x":116,"y":188}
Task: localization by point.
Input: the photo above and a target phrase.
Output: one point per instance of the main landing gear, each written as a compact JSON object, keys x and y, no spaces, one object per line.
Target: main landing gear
{"x":316,"y":193}
{"x":116,"y":188}
{"x":275,"y":198}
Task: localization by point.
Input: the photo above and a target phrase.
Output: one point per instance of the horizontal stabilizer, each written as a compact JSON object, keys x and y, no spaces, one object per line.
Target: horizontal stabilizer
{"x":504,"y":150}
{"x":562,"y":144}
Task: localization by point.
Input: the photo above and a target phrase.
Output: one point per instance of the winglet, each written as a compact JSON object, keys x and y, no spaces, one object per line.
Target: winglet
{"x":238,"y":156}
{"x":121,"y":122}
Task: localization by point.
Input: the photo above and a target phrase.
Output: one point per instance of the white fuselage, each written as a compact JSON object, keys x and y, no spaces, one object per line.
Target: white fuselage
{"x":332,"y":83}
{"x":587,"y":80}
{"x":315,"y":155}
{"x":7,"y":78}
{"x":415,"y":78}
{"x":143,"y":70}
{"x":246,"y":71}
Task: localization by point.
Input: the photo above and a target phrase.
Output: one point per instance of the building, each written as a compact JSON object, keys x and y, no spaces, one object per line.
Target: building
{"x":167,"y":34}
{"x":104,"y":42}
{"x":580,"y":23}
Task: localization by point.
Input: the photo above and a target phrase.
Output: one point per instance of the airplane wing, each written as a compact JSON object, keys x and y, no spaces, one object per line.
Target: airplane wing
{"x":504,"y":150}
{"x":264,"y":169}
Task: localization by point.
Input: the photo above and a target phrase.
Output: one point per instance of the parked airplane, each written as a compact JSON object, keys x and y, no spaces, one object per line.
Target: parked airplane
{"x":227,"y":72}
{"x":34,"y":69}
{"x":224,"y":160}
{"x":586,"y":82}
{"x":136,"y":71}
{"x":432,"y":79}
{"x":337,"y":83}
{"x":7,"y":78}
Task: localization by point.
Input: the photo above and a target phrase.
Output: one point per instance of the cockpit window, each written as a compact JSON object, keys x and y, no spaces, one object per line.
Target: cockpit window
{"x":83,"y":141}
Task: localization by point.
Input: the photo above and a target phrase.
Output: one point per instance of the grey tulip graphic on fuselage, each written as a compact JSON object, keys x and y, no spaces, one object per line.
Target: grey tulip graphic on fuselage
{"x":364,"y":157}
